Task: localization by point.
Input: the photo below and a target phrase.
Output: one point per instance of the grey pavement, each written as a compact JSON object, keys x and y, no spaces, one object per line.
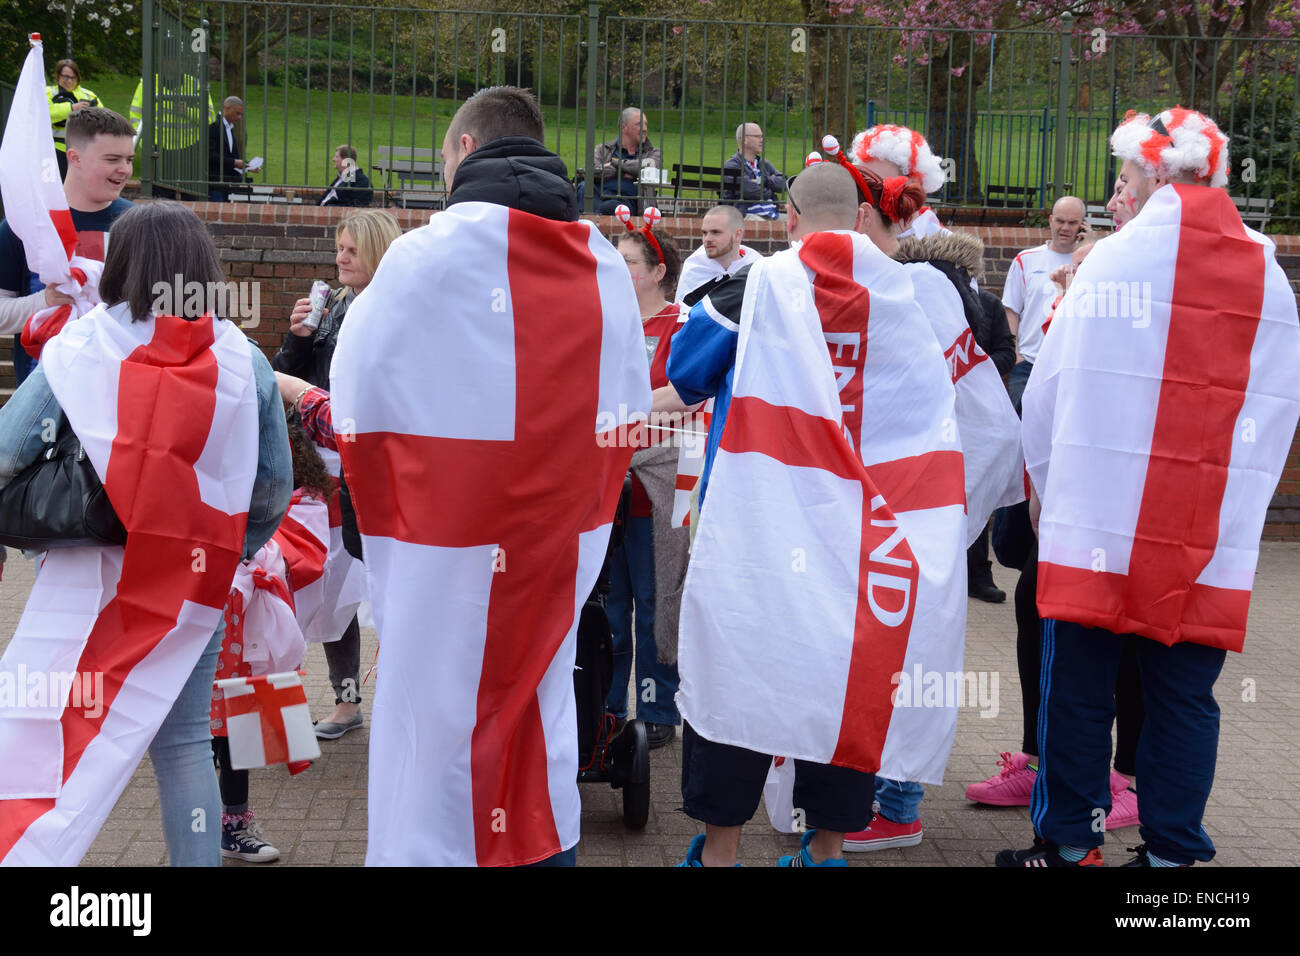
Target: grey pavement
{"x":318,"y":818}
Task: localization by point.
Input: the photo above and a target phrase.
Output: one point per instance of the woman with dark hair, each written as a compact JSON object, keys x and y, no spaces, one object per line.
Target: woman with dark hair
{"x":654,"y":263}
{"x":179,"y":414}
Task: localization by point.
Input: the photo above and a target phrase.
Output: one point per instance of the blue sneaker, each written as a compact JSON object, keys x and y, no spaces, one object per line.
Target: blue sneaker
{"x":693,"y":854}
{"x":804,"y":858}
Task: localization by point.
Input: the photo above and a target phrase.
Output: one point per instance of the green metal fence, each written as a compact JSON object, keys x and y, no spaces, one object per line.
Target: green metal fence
{"x":1018,"y":117}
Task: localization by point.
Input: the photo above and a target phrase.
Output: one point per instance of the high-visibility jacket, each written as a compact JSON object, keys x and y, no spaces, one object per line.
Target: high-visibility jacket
{"x":177,"y":116}
{"x":61,"y":108}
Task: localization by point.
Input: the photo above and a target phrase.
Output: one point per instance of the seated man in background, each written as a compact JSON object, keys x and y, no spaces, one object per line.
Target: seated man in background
{"x":350,"y":186}
{"x":617,"y":165}
{"x":749,"y":180}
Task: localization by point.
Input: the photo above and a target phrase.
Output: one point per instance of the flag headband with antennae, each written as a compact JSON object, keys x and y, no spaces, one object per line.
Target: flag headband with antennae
{"x":651,"y":216}
{"x":831,"y":146}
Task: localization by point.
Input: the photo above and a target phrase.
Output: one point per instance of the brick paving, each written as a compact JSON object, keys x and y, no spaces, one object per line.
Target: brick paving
{"x":318,"y":818}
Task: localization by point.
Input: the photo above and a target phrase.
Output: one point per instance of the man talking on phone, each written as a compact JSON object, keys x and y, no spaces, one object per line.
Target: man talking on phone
{"x":1029,"y":292}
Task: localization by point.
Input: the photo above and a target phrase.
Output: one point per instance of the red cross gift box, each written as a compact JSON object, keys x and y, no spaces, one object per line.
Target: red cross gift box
{"x":268,"y":722}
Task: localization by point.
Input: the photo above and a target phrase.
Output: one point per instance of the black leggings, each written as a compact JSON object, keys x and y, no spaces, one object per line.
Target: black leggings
{"x":234,"y":783}
{"x":1128,"y":687}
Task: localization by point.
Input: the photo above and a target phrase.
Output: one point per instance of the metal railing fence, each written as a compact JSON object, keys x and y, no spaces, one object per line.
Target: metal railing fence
{"x":1021,"y":115}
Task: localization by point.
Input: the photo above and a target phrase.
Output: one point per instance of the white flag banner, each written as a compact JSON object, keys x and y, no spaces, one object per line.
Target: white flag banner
{"x":1157,"y":422}
{"x":485,"y":466}
{"x":829,"y":558}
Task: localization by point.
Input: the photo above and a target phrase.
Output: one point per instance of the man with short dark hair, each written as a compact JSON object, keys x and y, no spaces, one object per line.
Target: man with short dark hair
{"x":224,"y":162}
{"x":485,"y":464}
{"x":749,"y":180}
{"x":350,"y":186}
{"x":720,"y":253}
{"x":100,"y":155}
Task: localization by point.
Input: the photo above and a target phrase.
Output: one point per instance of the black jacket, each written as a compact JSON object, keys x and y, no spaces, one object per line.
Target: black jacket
{"x":221,"y":158}
{"x":356,"y":192}
{"x":960,"y":257}
{"x":518,"y":172}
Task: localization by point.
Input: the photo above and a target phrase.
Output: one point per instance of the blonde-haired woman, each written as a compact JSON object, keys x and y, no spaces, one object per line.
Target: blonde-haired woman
{"x":362,"y":239}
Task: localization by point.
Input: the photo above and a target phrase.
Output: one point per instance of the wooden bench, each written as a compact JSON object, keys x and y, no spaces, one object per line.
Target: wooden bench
{"x":1009,"y":197}
{"x":411,"y":166}
{"x":1255,"y":212}
{"x":697,"y":179}
{"x":1097,"y":216}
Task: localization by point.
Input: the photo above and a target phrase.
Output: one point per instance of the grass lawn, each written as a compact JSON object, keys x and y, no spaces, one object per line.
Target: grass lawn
{"x":296,"y":131}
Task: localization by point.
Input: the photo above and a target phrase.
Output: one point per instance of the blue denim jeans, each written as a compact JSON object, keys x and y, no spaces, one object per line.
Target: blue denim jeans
{"x":182,"y":763}
{"x":1016,"y":382}
{"x":900,"y":800}
{"x":632,"y":582}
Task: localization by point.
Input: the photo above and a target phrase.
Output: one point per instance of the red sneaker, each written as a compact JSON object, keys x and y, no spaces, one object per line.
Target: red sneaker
{"x":882,"y":834}
{"x":1010,"y":787}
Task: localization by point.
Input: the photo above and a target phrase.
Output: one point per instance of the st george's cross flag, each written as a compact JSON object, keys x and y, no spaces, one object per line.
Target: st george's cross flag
{"x":1157,"y":422}
{"x":166,"y":412}
{"x":829,"y":554}
{"x":37,"y":209}
{"x":490,"y":369}
{"x":986,"y":420}
{"x":323,"y":605}
{"x":268,"y":721}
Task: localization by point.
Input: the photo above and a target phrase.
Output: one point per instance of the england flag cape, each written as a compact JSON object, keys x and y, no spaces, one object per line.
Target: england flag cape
{"x":1157,"y":422}
{"x":986,"y":421}
{"x":829,"y":557}
{"x":490,"y":369}
{"x":342,"y":586}
{"x":166,"y":412}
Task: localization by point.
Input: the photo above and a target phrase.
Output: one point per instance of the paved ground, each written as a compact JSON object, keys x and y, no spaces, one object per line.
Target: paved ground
{"x":319,"y":817}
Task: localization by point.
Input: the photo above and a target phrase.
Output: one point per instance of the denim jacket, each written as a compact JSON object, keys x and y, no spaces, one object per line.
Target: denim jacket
{"x":32,"y":407}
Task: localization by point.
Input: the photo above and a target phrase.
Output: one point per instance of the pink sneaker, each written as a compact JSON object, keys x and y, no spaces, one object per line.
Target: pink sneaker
{"x":1010,"y":787}
{"x":881,"y":834}
{"x":1123,"y":804}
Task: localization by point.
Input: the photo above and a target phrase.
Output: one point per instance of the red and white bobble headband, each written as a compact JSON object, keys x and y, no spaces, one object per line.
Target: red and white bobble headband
{"x":651,"y":216}
{"x":892,"y":188}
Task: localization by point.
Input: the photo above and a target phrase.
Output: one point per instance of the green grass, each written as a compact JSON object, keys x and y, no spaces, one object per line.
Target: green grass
{"x":296,"y":132}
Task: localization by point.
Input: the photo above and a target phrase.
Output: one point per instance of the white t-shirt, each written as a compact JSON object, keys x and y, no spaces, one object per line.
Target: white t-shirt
{"x":699,"y":269}
{"x":1029,"y":292}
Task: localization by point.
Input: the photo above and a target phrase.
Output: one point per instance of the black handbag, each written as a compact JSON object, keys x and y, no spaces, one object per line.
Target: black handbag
{"x":59,"y":501}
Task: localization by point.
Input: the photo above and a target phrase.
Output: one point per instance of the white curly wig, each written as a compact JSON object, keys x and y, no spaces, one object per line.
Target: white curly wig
{"x":1175,"y":142}
{"x":905,"y":148}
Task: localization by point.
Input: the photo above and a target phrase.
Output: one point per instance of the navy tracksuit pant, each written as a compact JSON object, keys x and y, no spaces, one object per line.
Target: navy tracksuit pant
{"x":1176,"y":750}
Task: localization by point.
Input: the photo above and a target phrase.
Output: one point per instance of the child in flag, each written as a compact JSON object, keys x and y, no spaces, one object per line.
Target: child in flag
{"x":1156,"y":424}
{"x":295,"y":553}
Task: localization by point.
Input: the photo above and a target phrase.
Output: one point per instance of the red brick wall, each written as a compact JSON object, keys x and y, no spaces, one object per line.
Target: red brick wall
{"x":286,"y":247}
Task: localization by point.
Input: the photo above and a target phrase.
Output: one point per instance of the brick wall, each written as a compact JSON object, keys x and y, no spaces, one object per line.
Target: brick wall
{"x":286,"y":247}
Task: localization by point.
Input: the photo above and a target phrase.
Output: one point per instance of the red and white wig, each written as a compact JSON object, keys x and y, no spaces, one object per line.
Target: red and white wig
{"x":905,"y":148}
{"x":1176,"y":142}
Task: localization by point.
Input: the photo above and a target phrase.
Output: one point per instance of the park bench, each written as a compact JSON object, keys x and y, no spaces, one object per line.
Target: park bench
{"x":701,"y":180}
{"x":418,"y":171}
{"x":1007,"y":197}
{"x":1255,"y":212}
{"x":1097,"y":216}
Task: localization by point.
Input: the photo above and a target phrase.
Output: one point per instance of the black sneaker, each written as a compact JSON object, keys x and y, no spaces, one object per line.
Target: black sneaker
{"x":658,"y":735}
{"x":1143,"y":858}
{"x":1043,"y":853}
